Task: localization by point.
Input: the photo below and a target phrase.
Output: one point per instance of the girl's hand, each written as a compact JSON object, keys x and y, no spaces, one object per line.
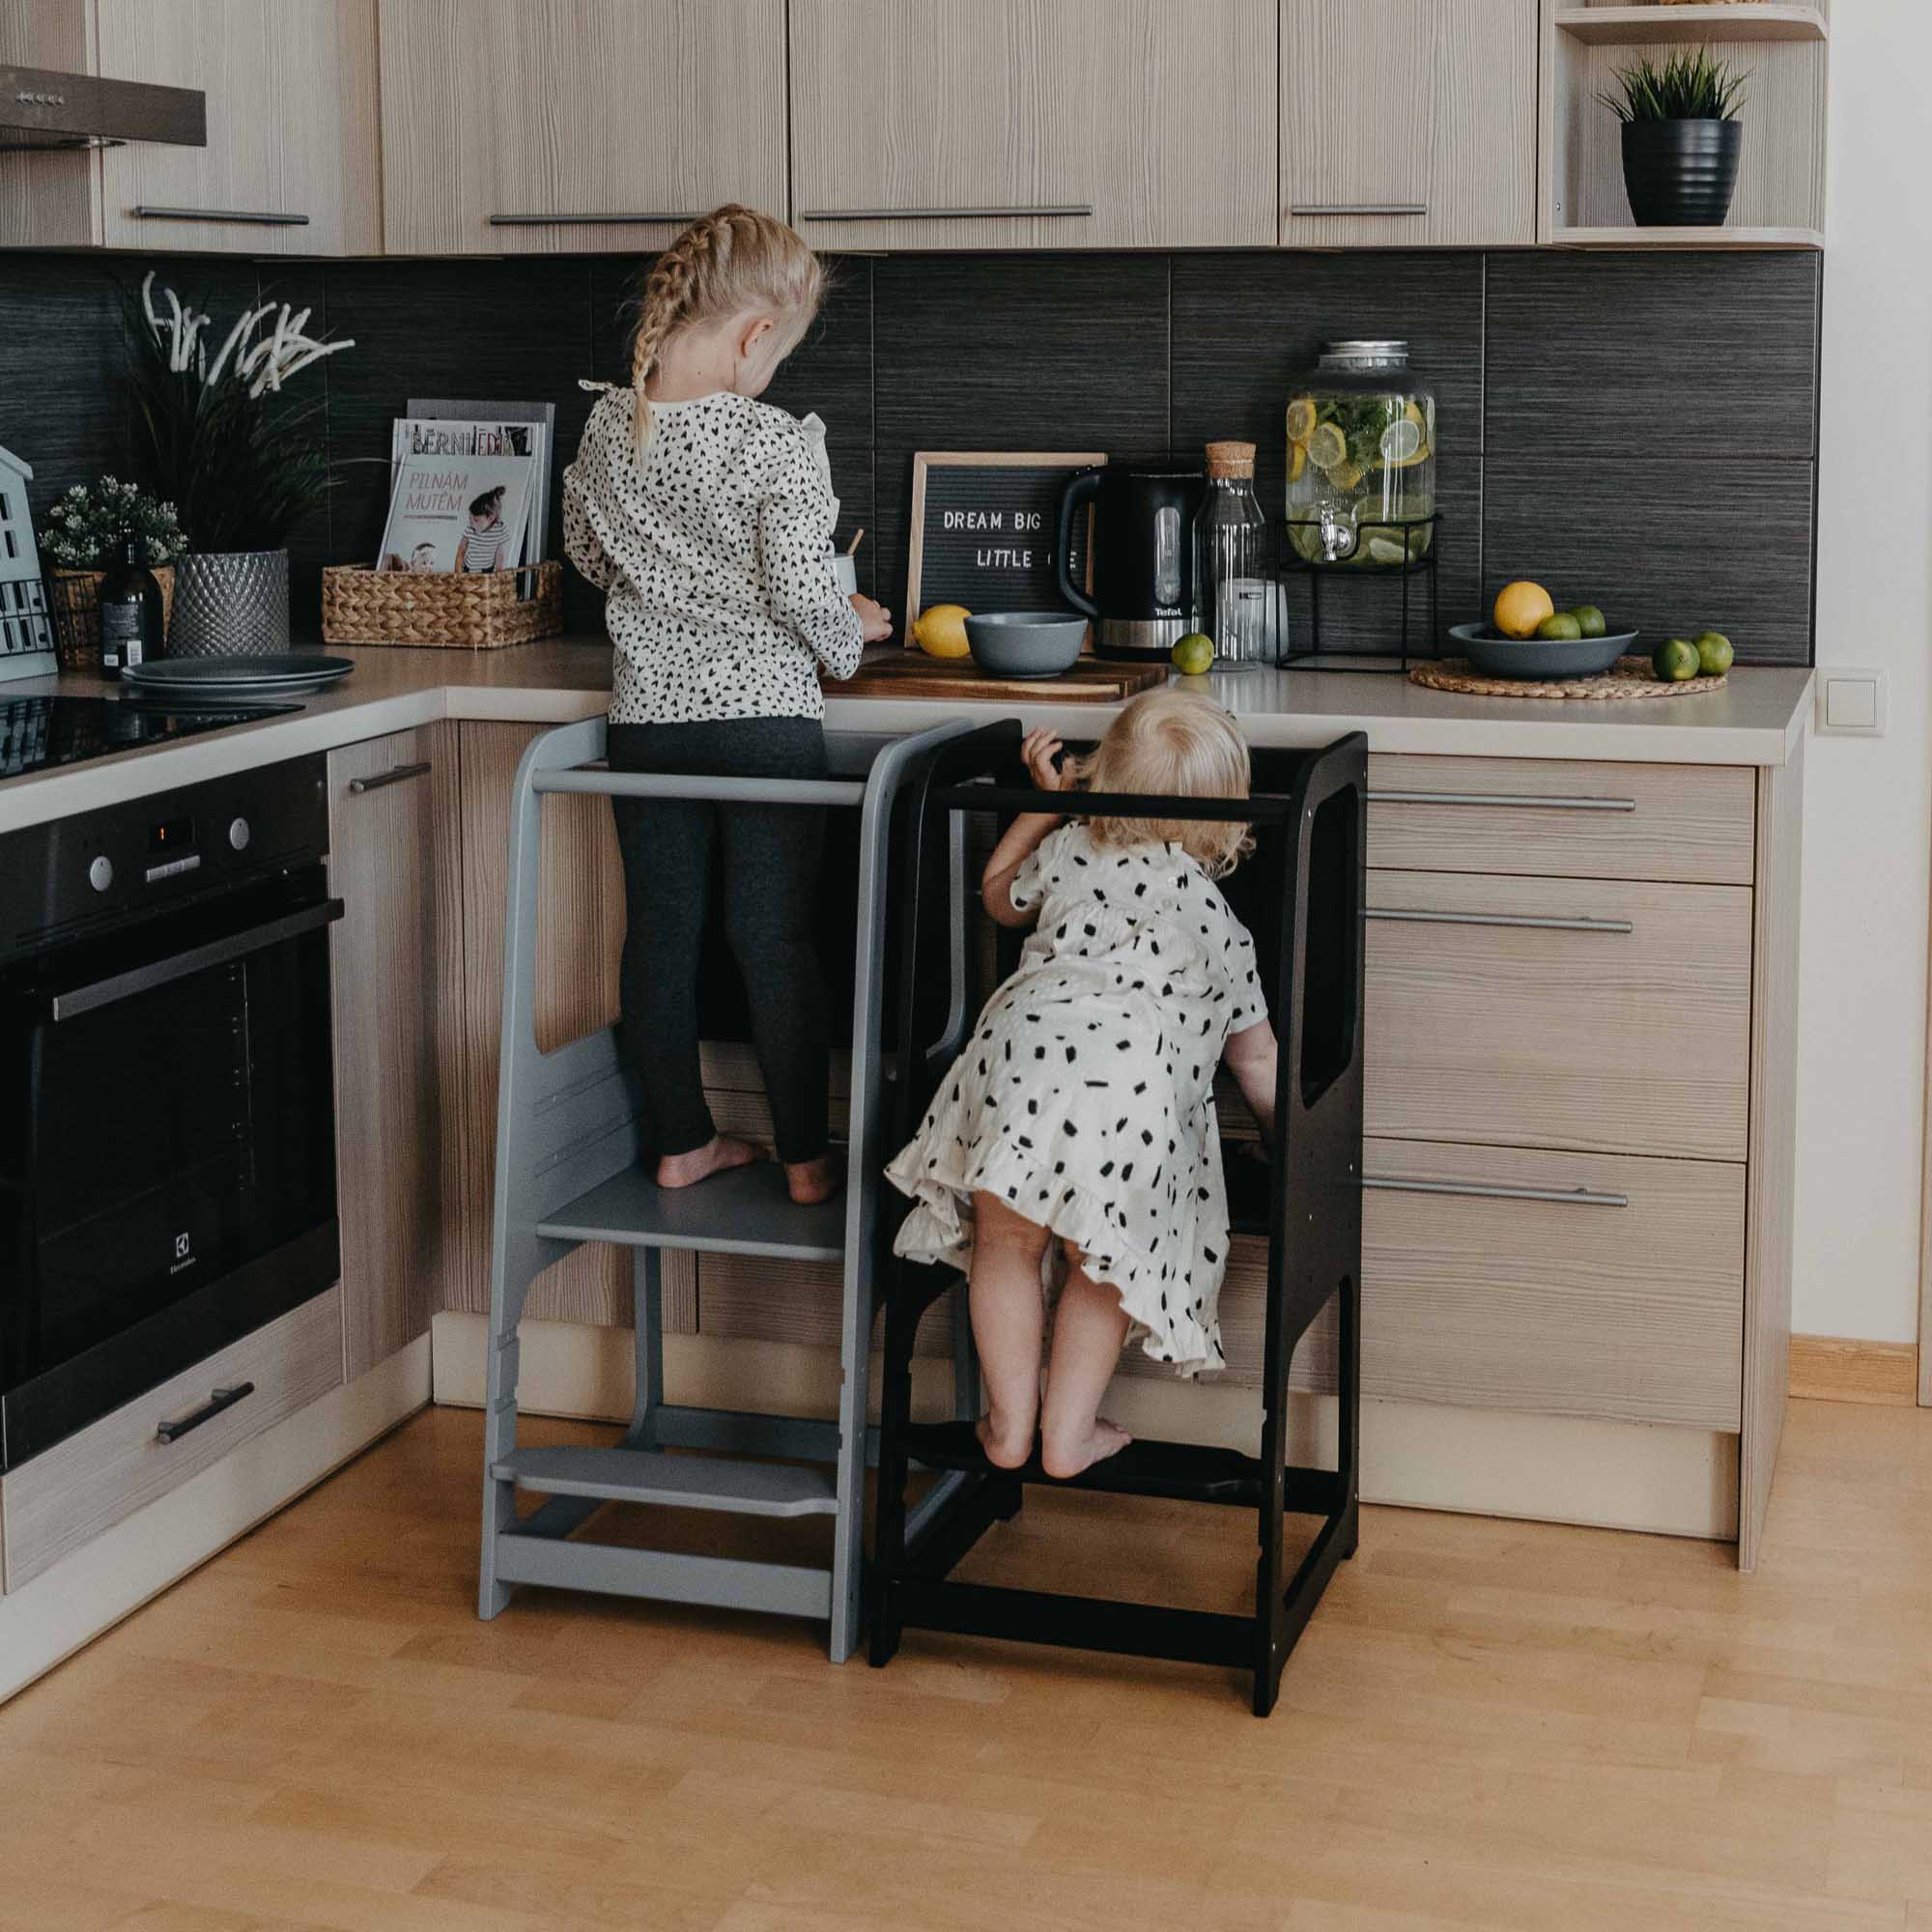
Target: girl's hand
{"x":875,"y":621}
{"x":1039,"y":749}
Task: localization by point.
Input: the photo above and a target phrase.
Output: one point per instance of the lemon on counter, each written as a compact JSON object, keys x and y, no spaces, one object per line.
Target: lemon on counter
{"x":940,"y":630}
{"x":1520,"y":607}
{"x":1193,"y":654}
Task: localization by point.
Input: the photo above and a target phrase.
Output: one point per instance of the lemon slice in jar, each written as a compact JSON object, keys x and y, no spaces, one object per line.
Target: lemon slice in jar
{"x":1300,"y":419}
{"x":1327,"y":445}
{"x":1345,"y":475}
{"x":1297,"y":461}
{"x":1403,"y":444}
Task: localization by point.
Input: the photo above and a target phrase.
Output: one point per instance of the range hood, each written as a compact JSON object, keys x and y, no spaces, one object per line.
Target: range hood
{"x":40,"y":109}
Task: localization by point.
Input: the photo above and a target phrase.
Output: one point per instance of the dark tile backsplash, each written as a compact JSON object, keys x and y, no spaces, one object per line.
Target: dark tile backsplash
{"x":1635,"y":429}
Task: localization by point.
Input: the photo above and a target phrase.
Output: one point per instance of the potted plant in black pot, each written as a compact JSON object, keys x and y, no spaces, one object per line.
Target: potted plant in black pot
{"x":1681,"y":137}
{"x":211,"y":437}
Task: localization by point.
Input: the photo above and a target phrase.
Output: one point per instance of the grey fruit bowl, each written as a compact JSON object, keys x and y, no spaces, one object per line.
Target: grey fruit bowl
{"x":1025,"y":644}
{"x":1498,"y":656}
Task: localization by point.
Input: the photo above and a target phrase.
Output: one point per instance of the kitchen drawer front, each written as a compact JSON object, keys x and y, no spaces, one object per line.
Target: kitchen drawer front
{"x":1625,"y":1300}
{"x":1559,"y":1012}
{"x":1694,"y":823}
{"x":73,"y":1491}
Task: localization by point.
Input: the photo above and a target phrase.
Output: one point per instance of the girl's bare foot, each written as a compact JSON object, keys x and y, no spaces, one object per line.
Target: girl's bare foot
{"x":811,"y":1181}
{"x":722,"y":1151}
{"x":1006,"y":1441}
{"x":1066,"y":1455}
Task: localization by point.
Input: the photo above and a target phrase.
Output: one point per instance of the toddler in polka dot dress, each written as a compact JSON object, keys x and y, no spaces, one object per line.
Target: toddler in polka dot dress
{"x":1079,"y":1121}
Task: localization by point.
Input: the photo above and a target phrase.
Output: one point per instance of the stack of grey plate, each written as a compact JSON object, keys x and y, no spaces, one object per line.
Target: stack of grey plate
{"x":282,"y":670}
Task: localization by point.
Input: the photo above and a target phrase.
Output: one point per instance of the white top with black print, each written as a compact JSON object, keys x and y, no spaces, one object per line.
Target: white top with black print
{"x":715,"y":551}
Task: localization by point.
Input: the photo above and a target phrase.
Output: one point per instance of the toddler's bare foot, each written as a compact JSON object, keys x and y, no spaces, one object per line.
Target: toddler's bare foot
{"x":811,"y":1181}
{"x":1066,"y":1454}
{"x":722,"y":1151}
{"x":1006,"y":1441}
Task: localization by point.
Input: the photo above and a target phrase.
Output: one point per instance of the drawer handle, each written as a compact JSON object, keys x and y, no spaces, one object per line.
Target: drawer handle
{"x":248,"y":217}
{"x":394,"y":775}
{"x":1573,"y":1197}
{"x":1061,"y":208}
{"x":1535,"y":922}
{"x":218,"y":1400}
{"x":1525,"y":800}
{"x":1358,"y":208}
{"x":613,"y":220}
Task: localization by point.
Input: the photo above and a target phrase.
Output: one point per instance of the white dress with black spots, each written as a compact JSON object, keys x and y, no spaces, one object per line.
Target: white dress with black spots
{"x":716,"y":551}
{"x":1085,"y":1097}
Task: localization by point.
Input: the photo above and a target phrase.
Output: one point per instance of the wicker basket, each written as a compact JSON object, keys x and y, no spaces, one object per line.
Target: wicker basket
{"x":471,"y":610}
{"x":73,"y":597}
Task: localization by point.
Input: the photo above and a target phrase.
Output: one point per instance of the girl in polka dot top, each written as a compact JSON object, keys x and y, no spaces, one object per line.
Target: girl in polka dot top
{"x":706,"y":517}
{"x":1078,"y":1125}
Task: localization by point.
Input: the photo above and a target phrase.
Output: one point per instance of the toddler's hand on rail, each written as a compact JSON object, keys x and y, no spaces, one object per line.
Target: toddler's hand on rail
{"x":1039,"y":749}
{"x":875,"y":621}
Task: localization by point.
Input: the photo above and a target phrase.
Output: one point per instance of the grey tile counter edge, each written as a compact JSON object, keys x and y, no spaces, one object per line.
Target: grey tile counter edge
{"x":1756,"y":721}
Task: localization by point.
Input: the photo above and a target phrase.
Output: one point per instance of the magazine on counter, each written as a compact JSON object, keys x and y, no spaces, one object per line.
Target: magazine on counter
{"x":458,"y":513}
{"x":502,"y":423}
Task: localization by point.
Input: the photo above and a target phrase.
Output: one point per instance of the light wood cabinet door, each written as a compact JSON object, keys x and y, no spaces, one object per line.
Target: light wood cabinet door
{"x":1408,"y":123}
{"x":1032,"y":123}
{"x":534,"y":126}
{"x":388,"y":806}
{"x":291,"y":166}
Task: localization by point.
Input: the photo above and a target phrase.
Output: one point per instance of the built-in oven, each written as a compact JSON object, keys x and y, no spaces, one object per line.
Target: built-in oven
{"x":167,"y":1145}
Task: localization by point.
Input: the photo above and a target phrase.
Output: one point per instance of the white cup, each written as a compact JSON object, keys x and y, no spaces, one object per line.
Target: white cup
{"x":845,"y":570}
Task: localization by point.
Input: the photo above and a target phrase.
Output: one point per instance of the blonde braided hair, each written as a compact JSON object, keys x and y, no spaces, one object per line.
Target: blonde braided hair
{"x":727,"y":263}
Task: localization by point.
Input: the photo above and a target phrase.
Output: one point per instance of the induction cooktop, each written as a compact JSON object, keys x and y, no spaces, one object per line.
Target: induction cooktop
{"x":38,"y":734}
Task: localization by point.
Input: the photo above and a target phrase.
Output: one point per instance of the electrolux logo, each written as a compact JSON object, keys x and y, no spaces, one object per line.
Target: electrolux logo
{"x":183,"y":1252}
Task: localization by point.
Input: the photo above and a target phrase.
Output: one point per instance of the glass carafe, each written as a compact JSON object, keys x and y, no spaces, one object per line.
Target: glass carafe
{"x":1242,"y":605}
{"x":1361,"y":458}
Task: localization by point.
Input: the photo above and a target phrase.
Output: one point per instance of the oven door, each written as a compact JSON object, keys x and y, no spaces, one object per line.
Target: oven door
{"x":167,"y":1151}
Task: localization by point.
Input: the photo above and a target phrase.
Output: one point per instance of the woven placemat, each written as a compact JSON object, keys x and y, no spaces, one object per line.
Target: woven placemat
{"x":1628,"y":677}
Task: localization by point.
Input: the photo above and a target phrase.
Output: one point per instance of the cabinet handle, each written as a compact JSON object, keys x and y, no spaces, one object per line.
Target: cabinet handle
{"x":250,"y":217}
{"x":1571,"y":1197}
{"x":1524,"y":800}
{"x":616,"y":221}
{"x":395,"y":775}
{"x":1358,"y":208}
{"x":1536,"y":922}
{"x":942,"y":214}
{"x":218,"y":1400}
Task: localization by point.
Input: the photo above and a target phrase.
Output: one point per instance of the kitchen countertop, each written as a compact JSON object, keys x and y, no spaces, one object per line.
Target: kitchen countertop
{"x":1755,"y":719}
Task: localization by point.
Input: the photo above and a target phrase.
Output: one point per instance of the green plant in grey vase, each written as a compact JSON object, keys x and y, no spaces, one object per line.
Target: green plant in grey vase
{"x":1681,"y":137}
{"x":214,"y":435}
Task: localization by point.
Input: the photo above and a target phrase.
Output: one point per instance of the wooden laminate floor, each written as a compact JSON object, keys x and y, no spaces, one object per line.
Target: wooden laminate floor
{"x":1489,"y":1725}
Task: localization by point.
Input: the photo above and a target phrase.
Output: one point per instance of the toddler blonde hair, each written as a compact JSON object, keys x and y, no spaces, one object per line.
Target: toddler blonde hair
{"x":1184,"y":743}
{"x":725,"y":263}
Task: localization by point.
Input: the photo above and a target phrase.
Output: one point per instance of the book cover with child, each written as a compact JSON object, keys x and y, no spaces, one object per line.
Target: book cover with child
{"x":457,"y":513}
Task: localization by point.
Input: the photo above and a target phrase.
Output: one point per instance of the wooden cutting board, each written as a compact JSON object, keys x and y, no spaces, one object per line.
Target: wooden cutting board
{"x":899,"y":672}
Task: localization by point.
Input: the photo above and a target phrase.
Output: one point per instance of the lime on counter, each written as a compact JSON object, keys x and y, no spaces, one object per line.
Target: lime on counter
{"x":1715,"y":653}
{"x":1193,"y":654}
{"x":1676,"y":659}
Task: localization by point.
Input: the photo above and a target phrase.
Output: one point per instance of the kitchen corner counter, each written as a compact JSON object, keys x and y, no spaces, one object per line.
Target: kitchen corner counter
{"x":1756,"y":720}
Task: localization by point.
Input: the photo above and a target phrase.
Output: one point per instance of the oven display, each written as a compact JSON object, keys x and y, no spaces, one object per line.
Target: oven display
{"x":170,"y":837}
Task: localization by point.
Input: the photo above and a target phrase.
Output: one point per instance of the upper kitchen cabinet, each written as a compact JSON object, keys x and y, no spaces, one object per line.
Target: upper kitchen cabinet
{"x":1042,"y":124}
{"x":1408,"y":123}
{"x":291,"y":166}
{"x":533,"y":126}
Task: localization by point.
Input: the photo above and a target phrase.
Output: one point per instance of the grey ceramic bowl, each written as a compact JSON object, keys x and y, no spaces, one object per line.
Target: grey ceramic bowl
{"x":1025,"y":644}
{"x":1497,"y":655}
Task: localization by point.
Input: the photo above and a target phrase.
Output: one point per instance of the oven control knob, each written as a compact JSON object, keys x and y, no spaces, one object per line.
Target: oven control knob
{"x":238,"y":834}
{"x":100,"y":874}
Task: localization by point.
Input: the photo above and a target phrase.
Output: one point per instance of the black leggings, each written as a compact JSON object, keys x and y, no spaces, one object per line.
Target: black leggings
{"x":771,"y":862}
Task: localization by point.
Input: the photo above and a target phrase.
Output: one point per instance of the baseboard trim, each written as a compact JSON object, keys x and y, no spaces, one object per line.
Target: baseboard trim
{"x":1606,"y":1475}
{"x":1841,"y":1368}
{"x":106,"y":1579}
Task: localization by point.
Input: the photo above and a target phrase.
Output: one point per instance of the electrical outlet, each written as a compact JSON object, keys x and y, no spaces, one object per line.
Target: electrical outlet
{"x":1851,"y":703}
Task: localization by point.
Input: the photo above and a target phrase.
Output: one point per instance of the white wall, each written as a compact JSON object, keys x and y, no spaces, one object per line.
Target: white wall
{"x":1862,"y":1015}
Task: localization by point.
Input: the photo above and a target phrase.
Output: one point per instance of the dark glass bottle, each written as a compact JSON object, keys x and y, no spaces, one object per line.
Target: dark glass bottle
{"x":130,"y":611}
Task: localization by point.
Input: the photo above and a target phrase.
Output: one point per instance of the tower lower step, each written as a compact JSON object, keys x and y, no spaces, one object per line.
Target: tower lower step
{"x":680,"y":1482}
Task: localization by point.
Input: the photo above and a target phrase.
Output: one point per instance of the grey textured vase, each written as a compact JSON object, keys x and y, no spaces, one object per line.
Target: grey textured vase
{"x":232,"y":603}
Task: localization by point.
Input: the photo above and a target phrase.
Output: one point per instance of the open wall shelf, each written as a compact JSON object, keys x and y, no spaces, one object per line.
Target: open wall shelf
{"x":1780,"y":195}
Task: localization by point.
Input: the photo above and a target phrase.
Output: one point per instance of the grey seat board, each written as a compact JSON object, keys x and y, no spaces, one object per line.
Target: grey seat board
{"x":683,"y":1481}
{"x":745,"y":1211}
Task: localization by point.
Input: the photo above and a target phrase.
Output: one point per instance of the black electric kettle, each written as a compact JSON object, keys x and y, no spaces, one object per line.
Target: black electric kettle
{"x":1143,"y":550}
